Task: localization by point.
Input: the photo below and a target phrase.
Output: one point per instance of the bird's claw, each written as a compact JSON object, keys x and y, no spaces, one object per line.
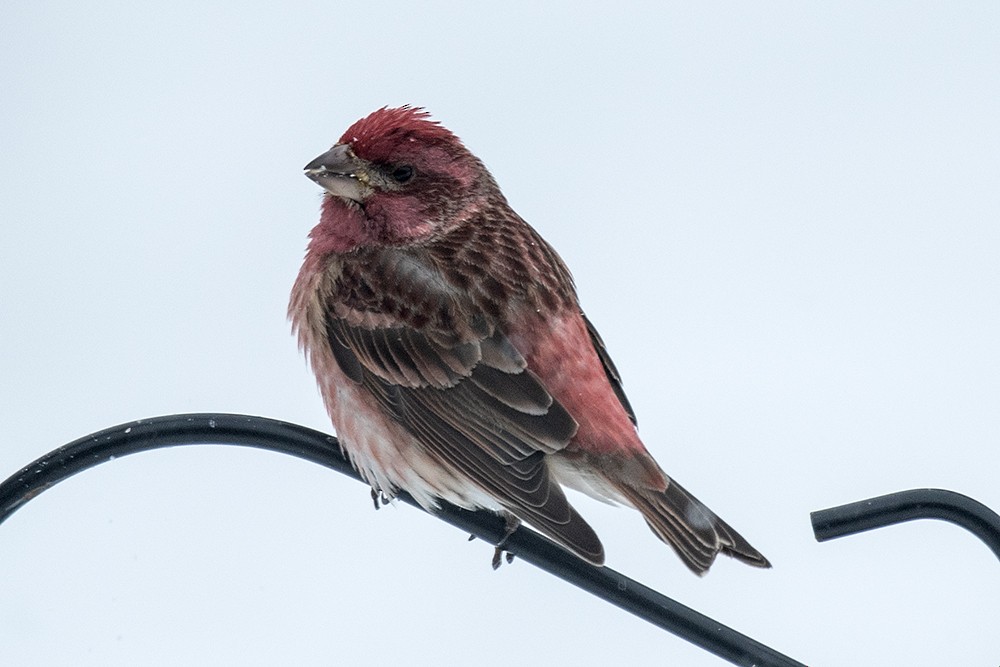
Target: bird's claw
{"x":511,"y":523}
{"x":379,"y":498}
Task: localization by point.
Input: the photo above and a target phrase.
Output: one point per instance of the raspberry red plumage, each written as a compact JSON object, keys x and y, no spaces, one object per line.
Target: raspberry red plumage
{"x":377,"y":134}
{"x":453,"y":356}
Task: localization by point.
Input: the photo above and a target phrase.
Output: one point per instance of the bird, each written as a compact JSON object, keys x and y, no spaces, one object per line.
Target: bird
{"x":453,"y":356}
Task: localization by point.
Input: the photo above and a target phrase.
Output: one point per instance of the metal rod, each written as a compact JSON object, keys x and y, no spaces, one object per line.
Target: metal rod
{"x":903,"y":506}
{"x":305,"y":443}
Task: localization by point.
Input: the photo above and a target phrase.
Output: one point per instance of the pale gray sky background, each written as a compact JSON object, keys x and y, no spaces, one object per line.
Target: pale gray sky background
{"x":783,"y":219}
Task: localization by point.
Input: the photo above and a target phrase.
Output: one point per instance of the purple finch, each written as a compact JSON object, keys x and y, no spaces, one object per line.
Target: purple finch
{"x":452,"y":354}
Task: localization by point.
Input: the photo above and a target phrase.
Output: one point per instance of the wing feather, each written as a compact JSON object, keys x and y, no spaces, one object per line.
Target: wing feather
{"x":609,"y":369}
{"x":458,"y":384}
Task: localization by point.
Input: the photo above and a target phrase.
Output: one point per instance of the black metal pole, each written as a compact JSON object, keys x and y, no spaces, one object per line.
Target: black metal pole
{"x":903,"y":506}
{"x":311,"y":445}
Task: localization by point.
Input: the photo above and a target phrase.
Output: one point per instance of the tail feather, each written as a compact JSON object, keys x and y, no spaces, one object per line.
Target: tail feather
{"x":693,"y":530}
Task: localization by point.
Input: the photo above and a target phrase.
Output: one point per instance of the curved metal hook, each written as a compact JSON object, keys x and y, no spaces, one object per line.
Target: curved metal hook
{"x":902,"y":506}
{"x":305,"y":443}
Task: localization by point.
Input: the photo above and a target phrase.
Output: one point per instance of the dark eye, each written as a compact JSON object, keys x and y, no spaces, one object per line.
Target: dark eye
{"x":403,"y":173}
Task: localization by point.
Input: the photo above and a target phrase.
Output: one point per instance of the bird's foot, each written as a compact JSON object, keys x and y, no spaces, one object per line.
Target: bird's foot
{"x":379,"y":498}
{"x":496,"y":557}
{"x":511,"y":523}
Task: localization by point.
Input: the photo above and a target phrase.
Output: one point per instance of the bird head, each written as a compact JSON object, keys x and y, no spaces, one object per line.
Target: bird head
{"x":396,"y":177}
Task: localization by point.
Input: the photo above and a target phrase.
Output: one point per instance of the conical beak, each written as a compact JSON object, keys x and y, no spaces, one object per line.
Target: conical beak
{"x":341,"y":173}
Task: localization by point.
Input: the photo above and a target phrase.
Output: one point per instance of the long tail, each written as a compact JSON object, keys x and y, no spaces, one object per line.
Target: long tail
{"x":693,"y":530}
